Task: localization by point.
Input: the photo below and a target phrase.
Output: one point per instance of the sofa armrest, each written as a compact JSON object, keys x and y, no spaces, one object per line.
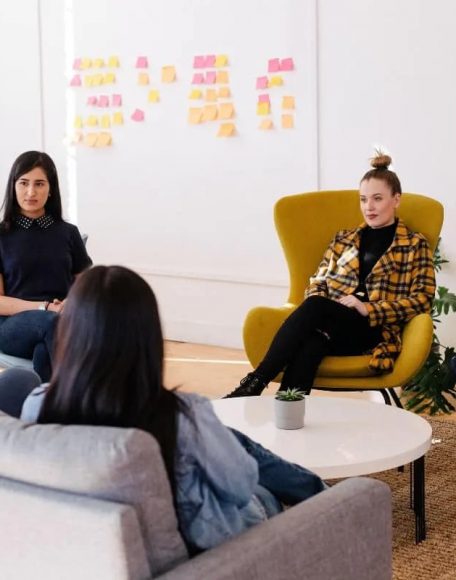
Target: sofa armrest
{"x":344,"y":532}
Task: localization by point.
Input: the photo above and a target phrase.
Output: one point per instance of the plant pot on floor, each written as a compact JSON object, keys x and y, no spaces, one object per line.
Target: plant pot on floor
{"x":289,"y":409}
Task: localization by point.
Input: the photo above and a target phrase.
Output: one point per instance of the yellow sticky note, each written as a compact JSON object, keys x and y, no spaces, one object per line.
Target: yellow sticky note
{"x":154,"y":96}
{"x":98,"y":63}
{"x":85,"y":63}
{"x":117,"y":118}
{"x":211,"y":95}
{"x":266,"y":124}
{"x":97,"y":80}
{"x":105,"y":121}
{"x":91,"y":139}
{"x":78,"y":123}
{"x":226,"y":111}
{"x":143,"y":78}
{"x":221,"y":60}
{"x":195,"y":94}
{"x":168,"y":74}
{"x":92,"y":121}
{"x":210,"y":112}
{"x":263,"y":108}
{"x":104,"y":139}
{"x":113,"y":61}
{"x":287,"y":122}
{"x":222,"y":77}
{"x":226,"y":130}
{"x":275,"y":81}
{"x":224,"y":93}
{"x":88,"y":80}
{"x":288,"y":102}
{"x":195,"y":115}
{"x":109,"y":78}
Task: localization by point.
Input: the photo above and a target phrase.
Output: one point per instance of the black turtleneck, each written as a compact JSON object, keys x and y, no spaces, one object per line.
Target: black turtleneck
{"x":373,"y":244}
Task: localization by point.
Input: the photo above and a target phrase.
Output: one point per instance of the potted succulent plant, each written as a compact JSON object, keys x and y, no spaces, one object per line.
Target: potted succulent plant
{"x":289,"y":408}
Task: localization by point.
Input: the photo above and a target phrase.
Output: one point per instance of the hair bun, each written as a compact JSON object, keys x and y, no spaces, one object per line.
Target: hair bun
{"x":380,"y":161}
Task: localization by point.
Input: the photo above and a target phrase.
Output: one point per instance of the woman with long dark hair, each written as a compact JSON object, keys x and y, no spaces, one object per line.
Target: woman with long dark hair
{"x":40,"y":255}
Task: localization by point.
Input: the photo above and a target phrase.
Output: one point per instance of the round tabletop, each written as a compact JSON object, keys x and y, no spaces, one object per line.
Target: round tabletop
{"x":340,"y":437}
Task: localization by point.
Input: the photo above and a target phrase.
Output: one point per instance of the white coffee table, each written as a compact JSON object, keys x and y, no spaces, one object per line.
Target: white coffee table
{"x":341,"y":438}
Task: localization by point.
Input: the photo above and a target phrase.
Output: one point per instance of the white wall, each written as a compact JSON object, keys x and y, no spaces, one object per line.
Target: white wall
{"x":385,"y":75}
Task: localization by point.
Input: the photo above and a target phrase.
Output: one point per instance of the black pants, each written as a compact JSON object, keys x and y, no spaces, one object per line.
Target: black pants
{"x":317,"y":328}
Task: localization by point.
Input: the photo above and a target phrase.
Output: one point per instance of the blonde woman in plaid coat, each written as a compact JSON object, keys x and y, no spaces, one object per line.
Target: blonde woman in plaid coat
{"x":371,"y":281}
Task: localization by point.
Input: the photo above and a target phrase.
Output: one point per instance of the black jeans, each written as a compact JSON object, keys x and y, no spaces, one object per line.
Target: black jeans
{"x":317,"y":328}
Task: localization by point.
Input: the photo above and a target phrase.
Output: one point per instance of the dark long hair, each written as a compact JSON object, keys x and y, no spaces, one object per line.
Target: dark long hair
{"x":23,"y":164}
{"x":108,"y":359}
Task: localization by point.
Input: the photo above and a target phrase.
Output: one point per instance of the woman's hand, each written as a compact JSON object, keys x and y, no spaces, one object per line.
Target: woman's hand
{"x":352,"y":302}
{"x":56,"y":305}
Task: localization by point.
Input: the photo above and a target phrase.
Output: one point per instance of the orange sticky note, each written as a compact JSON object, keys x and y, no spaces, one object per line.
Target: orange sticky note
{"x":154,"y":96}
{"x":113,"y":61}
{"x":104,"y":140}
{"x":78,"y":123}
{"x":168,"y":74}
{"x":195,"y":94}
{"x":98,"y":63}
{"x":143,"y":78}
{"x":221,"y":60}
{"x":276,"y":81}
{"x":209,"y":112}
{"x":226,"y":110}
{"x":195,"y":115}
{"x":266,"y":124}
{"x":222,"y":77}
{"x":117,"y":118}
{"x":224,"y":93}
{"x":92,"y":121}
{"x":77,"y":137}
{"x":288,"y":102}
{"x":91,"y":139}
{"x":226,"y":130}
{"x":211,"y":95}
{"x":105,"y":121}
{"x":263,"y":108}
{"x":109,"y":78}
{"x":287,"y":122}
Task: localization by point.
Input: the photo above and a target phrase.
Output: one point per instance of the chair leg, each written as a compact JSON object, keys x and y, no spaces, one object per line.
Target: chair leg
{"x":395,"y":398}
{"x":386,"y":396}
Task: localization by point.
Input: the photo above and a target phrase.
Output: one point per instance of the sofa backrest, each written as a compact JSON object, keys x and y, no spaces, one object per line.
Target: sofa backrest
{"x":120,"y":465}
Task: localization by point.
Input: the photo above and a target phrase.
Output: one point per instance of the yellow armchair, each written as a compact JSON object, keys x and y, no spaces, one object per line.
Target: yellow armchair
{"x":306,"y":223}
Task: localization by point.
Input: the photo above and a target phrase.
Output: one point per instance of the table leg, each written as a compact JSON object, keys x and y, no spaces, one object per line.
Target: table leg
{"x":418,"y":498}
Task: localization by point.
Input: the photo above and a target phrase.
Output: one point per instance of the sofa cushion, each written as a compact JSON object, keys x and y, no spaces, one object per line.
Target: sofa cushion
{"x":121,"y":465}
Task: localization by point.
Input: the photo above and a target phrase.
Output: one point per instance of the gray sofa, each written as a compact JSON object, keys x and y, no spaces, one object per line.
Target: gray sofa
{"x":94,"y":503}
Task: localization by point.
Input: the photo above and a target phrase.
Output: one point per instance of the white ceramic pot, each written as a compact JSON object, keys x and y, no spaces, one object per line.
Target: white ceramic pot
{"x":289,"y":414}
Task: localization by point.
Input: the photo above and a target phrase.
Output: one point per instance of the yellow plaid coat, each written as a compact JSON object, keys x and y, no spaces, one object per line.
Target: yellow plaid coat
{"x":400,"y":285}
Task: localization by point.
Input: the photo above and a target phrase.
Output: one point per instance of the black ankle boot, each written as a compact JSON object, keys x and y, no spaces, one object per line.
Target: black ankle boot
{"x":251,"y":386}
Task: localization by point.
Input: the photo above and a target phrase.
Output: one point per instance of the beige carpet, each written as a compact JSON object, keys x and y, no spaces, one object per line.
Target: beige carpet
{"x":435,"y":558}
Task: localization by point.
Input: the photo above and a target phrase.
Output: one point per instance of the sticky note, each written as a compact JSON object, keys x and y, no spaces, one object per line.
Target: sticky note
{"x":221,"y":77}
{"x":109,"y":78}
{"x":262,"y":83}
{"x":288,"y":103}
{"x":224,"y":93}
{"x":273,"y":65}
{"x":92,"y":101}
{"x":98,"y":63}
{"x":211,"y":95}
{"x":266,"y":125}
{"x":97,"y":80}
{"x":221,"y":60}
{"x":198,"y":62}
{"x":85,"y":63}
{"x":105,"y":121}
{"x":78,"y":123}
{"x":198,"y":79}
{"x":113,"y":61}
{"x":287,"y":122}
{"x":195,"y":115}
{"x":263,"y":109}
{"x":226,"y":111}
{"x":77,"y":137}
{"x":103,"y":101}
{"x":138,"y":115}
{"x":211,"y":77}
{"x":195,"y":94}
{"x":226,"y":130}
{"x":168,"y":74}
{"x":92,"y":121}
{"x":91,"y":139}
{"x":210,"y":112}
{"x":142,"y":62}
{"x":104,"y":140}
{"x":75,"y":81}
{"x":143,"y":78}
{"x":286,"y":64}
{"x":77,"y":64}
{"x":116,"y":100}
{"x":88,"y":80}
{"x":153,"y":96}
{"x":275,"y":81}
{"x":117,"y":118}
{"x":209,"y":61}
{"x":264,"y":98}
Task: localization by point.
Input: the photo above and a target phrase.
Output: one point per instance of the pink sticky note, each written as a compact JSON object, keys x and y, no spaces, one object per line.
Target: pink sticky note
{"x":92,"y":101}
{"x":141,"y":62}
{"x":211,"y":77}
{"x":77,"y":64}
{"x":198,"y":79}
{"x":286,"y":64}
{"x":198,"y":62}
{"x":273,"y":65}
{"x":116,"y":100}
{"x":75,"y":81}
{"x":262,"y":83}
{"x":209,"y":61}
{"x":103,"y":101}
{"x":138,"y":115}
{"x":264,"y":99}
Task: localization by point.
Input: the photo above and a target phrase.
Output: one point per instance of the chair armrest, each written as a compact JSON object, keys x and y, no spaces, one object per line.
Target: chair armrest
{"x":343,"y":532}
